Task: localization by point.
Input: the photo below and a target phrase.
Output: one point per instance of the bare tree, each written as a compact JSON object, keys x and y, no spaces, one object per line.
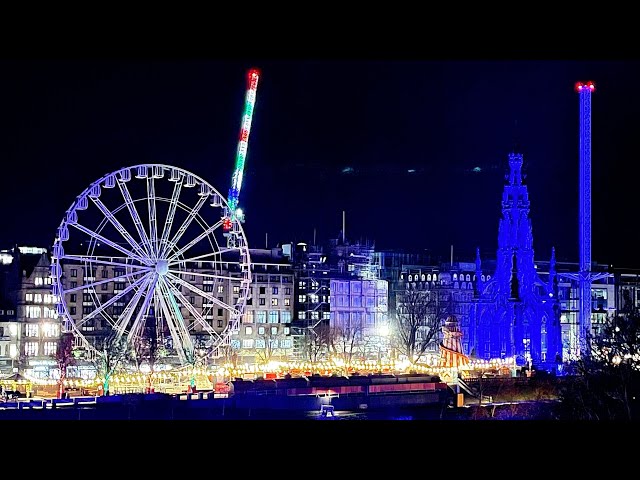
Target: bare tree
{"x":346,"y":341}
{"x":149,"y":348}
{"x":107,"y":361}
{"x":606,"y":380}
{"x":196,"y":358}
{"x":64,"y":358}
{"x":229,"y":354}
{"x":419,"y":319}
{"x":270,"y":350}
{"x":315,"y":341}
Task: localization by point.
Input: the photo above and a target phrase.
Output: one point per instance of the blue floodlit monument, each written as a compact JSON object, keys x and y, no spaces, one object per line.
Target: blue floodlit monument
{"x":516,"y":313}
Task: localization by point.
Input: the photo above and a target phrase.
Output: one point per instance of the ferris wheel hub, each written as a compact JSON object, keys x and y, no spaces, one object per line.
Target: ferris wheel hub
{"x":162,"y":267}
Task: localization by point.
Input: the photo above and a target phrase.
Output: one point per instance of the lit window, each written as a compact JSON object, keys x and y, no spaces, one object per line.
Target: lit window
{"x":37,"y":298}
{"x":248,"y":330}
{"x":31,"y":349}
{"x":50,"y":348}
{"x":38,"y":281}
{"x":302,"y":298}
{"x":236,"y":290}
{"x":273,"y":316}
{"x":274,"y":330}
{"x":220,"y":289}
{"x":50,"y":330}
{"x":285,"y":317}
{"x":260,"y":330}
{"x":261,"y":317}
{"x":29,"y":297}
{"x":249,"y":317}
{"x":286,"y":330}
{"x":247,"y":343}
{"x":31,"y":330}
{"x":302,"y":315}
{"x":274,"y":302}
{"x":287,"y":302}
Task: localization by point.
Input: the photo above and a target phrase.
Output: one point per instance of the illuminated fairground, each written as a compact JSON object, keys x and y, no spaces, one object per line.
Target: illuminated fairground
{"x":449,"y":364}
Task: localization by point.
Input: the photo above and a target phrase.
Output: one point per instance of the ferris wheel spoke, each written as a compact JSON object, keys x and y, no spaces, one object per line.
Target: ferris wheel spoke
{"x":153,"y":224}
{"x":186,"y":223}
{"x":203,"y":294}
{"x":180,"y":335}
{"x":204,"y":275}
{"x":201,"y":257}
{"x":208,"y":231}
{"x":166,"y":230}
{"x":134,"y":216}
{"x":123,"y":231}
{"x":144,"y":310}
{"x":114,"y":279}
{"x":125,"y":317}
{"x":111,"y":301}
{"x":96,"y":259}
{"x":106,"y":241}
{"x":193,"y":310}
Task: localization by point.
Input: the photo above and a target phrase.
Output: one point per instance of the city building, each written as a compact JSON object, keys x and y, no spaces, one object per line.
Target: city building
{"x":29,"y":323}
{"x":320,"y":268}
{"x":359,"y":317}
{"x":265,"y":328}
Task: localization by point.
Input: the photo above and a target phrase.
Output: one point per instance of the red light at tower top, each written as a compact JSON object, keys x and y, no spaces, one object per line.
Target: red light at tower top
{"x":580,"y":86}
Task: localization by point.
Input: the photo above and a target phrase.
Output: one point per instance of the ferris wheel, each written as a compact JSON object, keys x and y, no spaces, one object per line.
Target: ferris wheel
{"x":151,"y":254}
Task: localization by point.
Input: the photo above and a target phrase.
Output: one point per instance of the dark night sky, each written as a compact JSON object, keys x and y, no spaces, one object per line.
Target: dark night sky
{"x":64,"y":123}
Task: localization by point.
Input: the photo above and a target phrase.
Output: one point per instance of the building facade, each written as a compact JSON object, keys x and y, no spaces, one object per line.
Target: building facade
{"x":29,"y":323}
{"x":265,"y":328}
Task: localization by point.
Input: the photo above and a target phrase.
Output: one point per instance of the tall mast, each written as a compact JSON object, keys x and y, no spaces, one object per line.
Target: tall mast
{"x":236,"y":180}
{"x":584,"y":218}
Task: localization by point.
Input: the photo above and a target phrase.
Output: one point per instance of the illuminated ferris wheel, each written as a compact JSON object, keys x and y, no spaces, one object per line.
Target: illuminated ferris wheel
{"x":144,"y":254}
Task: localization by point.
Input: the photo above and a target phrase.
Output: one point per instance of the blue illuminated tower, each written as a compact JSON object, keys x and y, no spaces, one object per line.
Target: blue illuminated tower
{"x":584,"y":218}
{"x":515,"y":313}
{"x":584,"y":276}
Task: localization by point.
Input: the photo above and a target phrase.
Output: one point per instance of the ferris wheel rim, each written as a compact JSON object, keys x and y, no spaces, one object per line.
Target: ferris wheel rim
{"x":143,"y":276}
